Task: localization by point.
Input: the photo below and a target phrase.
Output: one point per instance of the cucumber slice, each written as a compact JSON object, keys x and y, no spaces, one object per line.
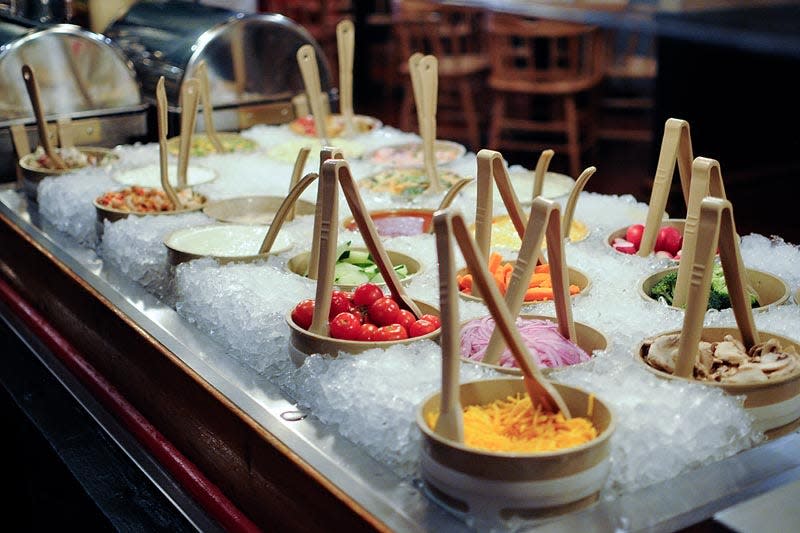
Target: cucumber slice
{"x":347,"y":274}
{"x":343,"y":251}
{"x":357,"y":257}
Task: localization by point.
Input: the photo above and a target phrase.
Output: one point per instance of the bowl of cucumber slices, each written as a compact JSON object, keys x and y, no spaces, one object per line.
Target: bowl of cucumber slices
{"x":355,"y":266}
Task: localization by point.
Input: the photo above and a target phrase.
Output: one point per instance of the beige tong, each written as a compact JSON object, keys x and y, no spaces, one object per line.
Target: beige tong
{"x":163,"y":165}
{"x":676,"y":144}
{"x":297,"y":171}
{"x":540,"y":390}
{"x":307,"y":61}
{"x":208,"y":109}
{"x":190,"y":93}
{"x":36,"y":102}
{"x":327,"y":152}
{"x":429,"y":89}
{"x":345,"y":41}
{"x":545,"y":219}
{"x":715,"y":228}
{"x":706,"y":181}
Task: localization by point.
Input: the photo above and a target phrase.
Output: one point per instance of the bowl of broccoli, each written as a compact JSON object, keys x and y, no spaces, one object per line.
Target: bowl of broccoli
{"x":764,"y":289}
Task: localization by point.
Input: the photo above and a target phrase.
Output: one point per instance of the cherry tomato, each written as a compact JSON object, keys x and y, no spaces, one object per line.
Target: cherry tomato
{"x":433,"y":319}
{"x":345,"y":326}
{"x":393,"y":332}
{"x":358,"y":314}
{"x":367,"y":332}
{"x":303,"y":312}
{"x":384,"y":311}
{"x":405,"y":318}
{"x":421,"y":327}
{"x":366,"y":294}
{"x":340,"y":303}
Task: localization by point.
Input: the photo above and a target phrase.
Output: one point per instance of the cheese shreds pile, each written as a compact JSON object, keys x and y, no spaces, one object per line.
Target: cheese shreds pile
{"x":513,"y":425}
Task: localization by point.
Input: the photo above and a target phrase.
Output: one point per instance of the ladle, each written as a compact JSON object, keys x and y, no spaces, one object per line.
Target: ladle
{"x":208,"y":109}
{"x":541,"y":170}
{"x":161,"y":117}
{"x":307,"y":61}
{"x":345,"y":40}
{"x":545,"y":219}
{"x":676,"y":144}
{"x":190,"y":93}
{"x":572,"y":201}
{"x":706,"y":180}
{"x":36,"y":102}
{"x":539,"y":389}
{"x":429,"y":87}
{"x":299,"y":165}
{"x":715,"y":228}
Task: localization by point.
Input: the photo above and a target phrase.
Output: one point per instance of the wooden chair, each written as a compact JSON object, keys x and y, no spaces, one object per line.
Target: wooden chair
{"x":544,"y":80}
{"x":455,"y":35}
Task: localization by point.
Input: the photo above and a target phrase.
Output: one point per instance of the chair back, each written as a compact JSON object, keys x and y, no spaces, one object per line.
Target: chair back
{"x":544,"y":56}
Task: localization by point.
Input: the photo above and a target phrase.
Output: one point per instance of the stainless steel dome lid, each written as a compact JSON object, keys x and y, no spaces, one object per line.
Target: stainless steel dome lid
{"x":79,"y":72}
{"x":251,"y":57}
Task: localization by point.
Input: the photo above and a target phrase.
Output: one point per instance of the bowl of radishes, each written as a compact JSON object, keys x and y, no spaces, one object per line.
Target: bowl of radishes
{"x":359,"y":320}
{"x":668,"y":243}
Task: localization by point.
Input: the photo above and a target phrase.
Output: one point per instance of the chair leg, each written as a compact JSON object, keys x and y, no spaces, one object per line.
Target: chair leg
{"x":470,"y":115}
{"x":496,"y":121}
{"x":573,"y":135}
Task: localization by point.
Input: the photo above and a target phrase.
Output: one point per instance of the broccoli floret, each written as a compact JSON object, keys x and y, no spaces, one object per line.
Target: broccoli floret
{"x":719,"y":298}
{"x":665,"y":288}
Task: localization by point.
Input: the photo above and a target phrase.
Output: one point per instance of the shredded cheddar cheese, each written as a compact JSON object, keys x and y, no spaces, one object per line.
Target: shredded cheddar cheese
{"x":513,"y":425}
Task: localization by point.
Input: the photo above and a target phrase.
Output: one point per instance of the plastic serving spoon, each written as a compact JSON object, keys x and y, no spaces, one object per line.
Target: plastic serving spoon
{"x":283,"y":210}
{"x":367,"y":229}
{"x":327,"y":152}
{"x":299,"y":165}
{"x":572,"y":200}
{"x":541,"y":170}
{"x":545,"y":219}
{"x":161,"y":117}
{"x":345,"y":40}
{"x":715,"y":227}
{"x":36,"y":102}
{"x":208,"y":109}
{"x":539,"y":389}
{"x":676,"y":144}
{"x":307,"y":61}
{"x":706,"y":180}
{"x":413,"y":72}
{"x":190,"y":92}
{"x":450,"y":423}
{"x":429,"y":86}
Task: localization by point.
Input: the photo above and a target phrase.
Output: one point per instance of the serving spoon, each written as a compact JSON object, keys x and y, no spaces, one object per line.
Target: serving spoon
{"x":161,"y":116}
{"x":36,"y":102}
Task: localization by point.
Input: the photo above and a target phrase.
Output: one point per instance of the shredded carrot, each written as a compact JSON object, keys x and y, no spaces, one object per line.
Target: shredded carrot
{"x":543,"y":268}
{"x":534,"y":294}
{"x":514,"y":425}
{"x":494,"y":261}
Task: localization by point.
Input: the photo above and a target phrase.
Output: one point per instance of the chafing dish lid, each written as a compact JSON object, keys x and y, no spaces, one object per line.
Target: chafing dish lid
{"x":77,"y":70}
{"x":251,"y":57}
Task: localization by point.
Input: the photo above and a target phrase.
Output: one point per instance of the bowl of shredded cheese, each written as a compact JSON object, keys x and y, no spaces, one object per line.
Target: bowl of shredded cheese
{"x":517,"y":459}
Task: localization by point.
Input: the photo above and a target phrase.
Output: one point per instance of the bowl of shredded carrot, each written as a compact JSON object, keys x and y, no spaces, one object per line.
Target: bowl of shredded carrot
{"x":517,"y":458}
{"x":540,"y":287}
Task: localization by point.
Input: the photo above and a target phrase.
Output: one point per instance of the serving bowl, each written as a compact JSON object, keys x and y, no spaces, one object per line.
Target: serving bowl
{"x":252,"y":209}
{"x":202,"y":146}
{"x":405,"y":182}
{"x":495,"y":485}
{"x":412,"y":154}
{"x":150,"y":175}
{"x":226,"y":243}
{"x":33,"y":172}
{"x":112,"y":214}
{"x":335,"y":125}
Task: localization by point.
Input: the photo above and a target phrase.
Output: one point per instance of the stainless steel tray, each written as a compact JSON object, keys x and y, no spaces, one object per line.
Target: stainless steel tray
{"x":397,"y":504}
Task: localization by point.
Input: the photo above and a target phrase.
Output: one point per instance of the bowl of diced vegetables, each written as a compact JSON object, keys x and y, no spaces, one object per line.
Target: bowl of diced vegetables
{"x":765,"y":290}
{"x":355,"y":266}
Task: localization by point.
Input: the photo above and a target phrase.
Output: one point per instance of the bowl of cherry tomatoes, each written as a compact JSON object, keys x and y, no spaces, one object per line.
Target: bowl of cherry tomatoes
{"x":359,"y":320}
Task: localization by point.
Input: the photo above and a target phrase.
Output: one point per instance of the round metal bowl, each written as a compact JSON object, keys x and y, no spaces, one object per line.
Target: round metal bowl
{"x":411,"y":154}
{"x":225,"y":240}
{"x":679,"y":223}
{"x":423,"y":217}
{"x":303,"y":343}
{"x":299,"y":265}
{"x":257,"y":210}
{"x":494,"y":485}
{"x":201,"y":144}
{"x":771,"y":290}
{"x":574,"y":277}
{"x":774,"y":405}
{"x":112,"y":215}
{"x":32,"y":173}
{"x":588,"y":338}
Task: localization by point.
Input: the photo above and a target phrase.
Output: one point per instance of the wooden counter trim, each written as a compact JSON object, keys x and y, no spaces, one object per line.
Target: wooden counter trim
{"x":264,"y":478}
